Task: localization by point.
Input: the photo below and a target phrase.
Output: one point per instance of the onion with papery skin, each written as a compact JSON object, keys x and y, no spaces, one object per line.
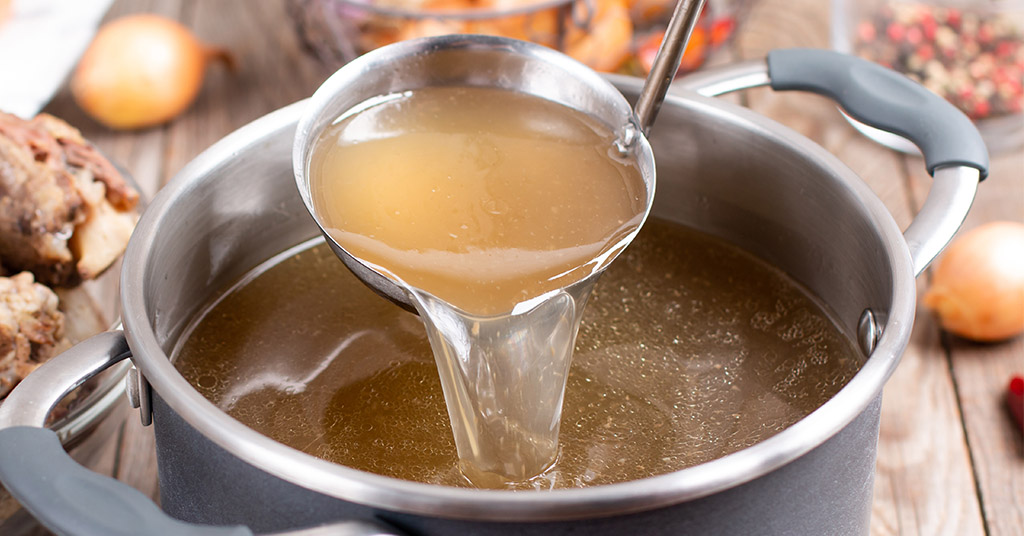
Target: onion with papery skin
{"x":977,"y":287}
{"x":141,"y":70}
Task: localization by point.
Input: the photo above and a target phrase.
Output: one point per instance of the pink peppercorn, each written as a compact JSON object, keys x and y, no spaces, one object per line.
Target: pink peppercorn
{"x":866,"y":32}
{"x":895,"y":31}
{"x":915,"y":35}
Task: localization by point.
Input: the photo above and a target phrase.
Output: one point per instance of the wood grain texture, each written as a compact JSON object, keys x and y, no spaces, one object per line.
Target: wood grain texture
{"x":981,"y":372}
{"x":272,"y":71}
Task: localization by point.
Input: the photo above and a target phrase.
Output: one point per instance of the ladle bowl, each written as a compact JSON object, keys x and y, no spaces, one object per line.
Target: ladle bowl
{"x":462,"y":60}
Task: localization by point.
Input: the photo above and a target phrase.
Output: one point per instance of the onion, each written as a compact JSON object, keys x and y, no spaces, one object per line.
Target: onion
{"x":977,"y":288}
{"x":141,"y":70}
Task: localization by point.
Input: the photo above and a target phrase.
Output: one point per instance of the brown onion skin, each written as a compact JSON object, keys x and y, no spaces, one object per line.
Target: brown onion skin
{"x":140,"y":71}
{"x":977,"y":288}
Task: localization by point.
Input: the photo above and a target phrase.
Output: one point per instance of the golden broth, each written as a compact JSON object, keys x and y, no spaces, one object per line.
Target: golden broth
{"x":482,"y":197}
{"x":690,"y":349}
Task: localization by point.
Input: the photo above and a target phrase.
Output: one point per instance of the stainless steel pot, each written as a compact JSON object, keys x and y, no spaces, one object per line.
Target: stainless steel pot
{"x":722,"y":169}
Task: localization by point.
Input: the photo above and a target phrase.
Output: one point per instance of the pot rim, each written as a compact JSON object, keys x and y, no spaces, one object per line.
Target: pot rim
{"x":497,"y":505}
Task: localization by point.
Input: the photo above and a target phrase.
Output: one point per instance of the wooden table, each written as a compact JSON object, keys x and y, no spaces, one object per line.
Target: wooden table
{"x":949,"y":461}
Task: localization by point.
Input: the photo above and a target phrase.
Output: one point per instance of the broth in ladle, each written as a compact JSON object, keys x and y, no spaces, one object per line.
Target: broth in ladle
{"x":690,"y":349}
{"x":494,"y":210}
{"x":483,"y":197}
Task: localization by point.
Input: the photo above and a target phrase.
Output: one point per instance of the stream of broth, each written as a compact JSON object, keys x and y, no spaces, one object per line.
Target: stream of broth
{"x":492,"y":208}
{"x":690,"y":349}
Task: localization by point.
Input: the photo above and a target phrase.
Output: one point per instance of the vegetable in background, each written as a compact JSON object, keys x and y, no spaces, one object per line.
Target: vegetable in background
{"x":977,"y":287}
{"x":141,"y":70}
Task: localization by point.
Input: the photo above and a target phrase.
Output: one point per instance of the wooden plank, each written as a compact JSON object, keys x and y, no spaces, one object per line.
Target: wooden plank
{"x":136,"y":462}
{"x":924,"y":481}
{"x":272,"y":72}
{"x":982,"y":371}
{"x":137,"y":152}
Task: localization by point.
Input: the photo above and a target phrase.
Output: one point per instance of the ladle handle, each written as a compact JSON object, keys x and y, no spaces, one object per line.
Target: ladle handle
{"x":954,"y":152}
{"x":666,"y":61}
{"x":70,"y":499}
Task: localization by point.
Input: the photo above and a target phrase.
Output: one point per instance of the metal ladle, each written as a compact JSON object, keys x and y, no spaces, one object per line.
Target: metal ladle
{"x":478,"y":60}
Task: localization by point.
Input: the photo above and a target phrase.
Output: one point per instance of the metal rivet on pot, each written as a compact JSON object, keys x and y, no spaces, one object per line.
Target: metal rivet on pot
{"x":139,"y":397}
{"x":868,"y":332}
{"x":131,"y":388}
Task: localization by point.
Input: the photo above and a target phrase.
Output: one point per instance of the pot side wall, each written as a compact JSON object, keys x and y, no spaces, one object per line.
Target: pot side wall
{"x":826,"y":491}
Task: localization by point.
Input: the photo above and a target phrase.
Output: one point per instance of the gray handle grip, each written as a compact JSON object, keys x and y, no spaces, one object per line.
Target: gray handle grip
{"x":60,"y":493}
{"x":70,"y":499}
{"x":886,"y":100}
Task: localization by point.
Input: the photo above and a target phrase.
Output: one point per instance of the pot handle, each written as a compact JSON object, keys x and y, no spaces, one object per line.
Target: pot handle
{"x":70,"y":499}
{"x":954,"y":152}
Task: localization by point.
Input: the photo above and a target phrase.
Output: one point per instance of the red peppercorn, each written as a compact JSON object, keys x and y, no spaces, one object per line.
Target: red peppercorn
{"x":925,"y":16}
{"x":980,"y":109}
{"x":953,"y":18}
{"x":985,"y":34}
{"x":1015,"y":400}
{"x":929,"y":31}
{"x":925,"y":52}
{"x":866,"y":32}
{"x":1014,"y":86}
{"x":973,"y":59}
{"x":896,"y":32}
{"x":1005,"y":48}
{"x":915,"y":35}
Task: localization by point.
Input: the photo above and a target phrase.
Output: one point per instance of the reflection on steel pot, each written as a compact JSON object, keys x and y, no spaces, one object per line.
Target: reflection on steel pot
{"x":722,"y":169}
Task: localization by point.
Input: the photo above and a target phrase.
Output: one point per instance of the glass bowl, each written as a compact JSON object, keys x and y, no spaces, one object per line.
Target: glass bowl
{"x":969,"y":52}
{"x":607,"y":35}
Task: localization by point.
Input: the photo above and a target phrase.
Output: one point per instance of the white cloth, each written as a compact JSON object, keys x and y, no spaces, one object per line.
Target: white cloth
{"x":39,"y":45}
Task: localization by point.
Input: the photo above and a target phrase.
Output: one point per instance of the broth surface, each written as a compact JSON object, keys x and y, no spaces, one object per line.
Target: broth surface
{"x":690,"y":349}
{"x":482,"y":197}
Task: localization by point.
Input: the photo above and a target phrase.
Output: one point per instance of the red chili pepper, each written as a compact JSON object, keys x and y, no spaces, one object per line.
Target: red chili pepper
{"x":696,"y":50}
{"x":648,"y":49}
{"x":722,"y":28}
{"x":1015,"y":400}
